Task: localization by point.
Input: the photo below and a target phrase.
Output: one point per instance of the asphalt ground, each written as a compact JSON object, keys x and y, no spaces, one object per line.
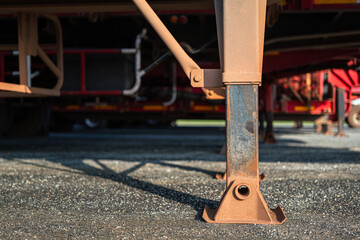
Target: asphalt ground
{"x":154,"y":183}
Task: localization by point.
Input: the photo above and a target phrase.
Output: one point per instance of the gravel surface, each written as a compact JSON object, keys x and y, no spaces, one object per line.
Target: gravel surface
{"x":153,"y":184}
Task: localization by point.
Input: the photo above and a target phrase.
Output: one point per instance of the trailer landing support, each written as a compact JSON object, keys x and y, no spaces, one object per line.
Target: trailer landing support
{"x":240,"y":27}
{"x":241,"y":37}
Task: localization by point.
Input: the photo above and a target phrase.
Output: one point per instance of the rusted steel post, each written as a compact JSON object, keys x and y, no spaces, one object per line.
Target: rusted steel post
{"x":241,"y":132}
{"x":241,"y":37}
{"x":269,"y":113}
{"x":340,"y":110}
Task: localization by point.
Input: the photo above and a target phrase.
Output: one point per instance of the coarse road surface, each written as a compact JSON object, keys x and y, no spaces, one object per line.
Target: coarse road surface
{"x":154,"y":183}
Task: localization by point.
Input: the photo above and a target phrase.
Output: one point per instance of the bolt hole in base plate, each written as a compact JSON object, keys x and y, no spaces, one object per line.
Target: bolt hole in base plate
{"x":242,"y":191}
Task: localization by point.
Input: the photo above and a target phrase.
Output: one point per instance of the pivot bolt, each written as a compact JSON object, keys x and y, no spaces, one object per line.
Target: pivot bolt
{"x":197,"y":78}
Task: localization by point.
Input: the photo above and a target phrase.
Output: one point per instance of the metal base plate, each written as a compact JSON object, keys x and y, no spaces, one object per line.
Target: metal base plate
{"x":277,"y":217}
{"x":239,"y":206}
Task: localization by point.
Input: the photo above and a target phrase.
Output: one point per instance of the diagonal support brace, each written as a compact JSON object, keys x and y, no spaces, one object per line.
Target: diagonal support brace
{"x":208,"y":79}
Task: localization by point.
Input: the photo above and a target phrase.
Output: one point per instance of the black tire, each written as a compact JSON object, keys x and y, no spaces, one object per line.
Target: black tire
{"x":27,"y":121}
{"x":354,"y":117}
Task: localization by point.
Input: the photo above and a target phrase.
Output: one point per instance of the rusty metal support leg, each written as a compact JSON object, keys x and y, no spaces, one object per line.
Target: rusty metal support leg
{"x":269,"y":111}
{"x":269,"y":135}
{"x":340,"y":109}
{"x":240,"y":32}
{"x":241,"y":131}
{"x":242,"y":201}
{"x":241,"y":26}
{"x":298,"y":124}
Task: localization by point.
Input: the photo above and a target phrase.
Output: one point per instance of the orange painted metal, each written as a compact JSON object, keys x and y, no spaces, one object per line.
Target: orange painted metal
{"x":187,"y":64}
{"x":241,"y":36}
{"x":28,"y":46}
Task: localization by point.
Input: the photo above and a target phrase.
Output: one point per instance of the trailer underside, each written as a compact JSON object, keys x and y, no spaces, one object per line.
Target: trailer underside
{"x":299,"y":38}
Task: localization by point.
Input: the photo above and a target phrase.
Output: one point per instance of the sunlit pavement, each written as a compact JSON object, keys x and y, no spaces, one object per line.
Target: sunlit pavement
{"x":154,"y":183}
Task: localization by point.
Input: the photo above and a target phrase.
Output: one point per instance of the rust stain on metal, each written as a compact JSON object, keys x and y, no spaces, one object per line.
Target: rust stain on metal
{"x":228,"y":112}
{"x":250,"y":127}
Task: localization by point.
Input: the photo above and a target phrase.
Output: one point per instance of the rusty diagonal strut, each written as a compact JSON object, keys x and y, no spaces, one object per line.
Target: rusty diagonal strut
{"x":240,"y":27}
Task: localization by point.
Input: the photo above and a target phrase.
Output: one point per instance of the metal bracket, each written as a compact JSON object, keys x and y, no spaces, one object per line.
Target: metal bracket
{"x":214,"y":78}
{"x":215,"y":93}
{"x":206,"y":78}
{"x":210,"y":80}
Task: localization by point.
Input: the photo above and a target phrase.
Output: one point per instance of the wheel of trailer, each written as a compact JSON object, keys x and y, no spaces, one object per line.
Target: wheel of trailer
{"x":354,"y":117}
{"x":92,"y":123}
{"x":6,"y":116}
{"x":28,"y":121}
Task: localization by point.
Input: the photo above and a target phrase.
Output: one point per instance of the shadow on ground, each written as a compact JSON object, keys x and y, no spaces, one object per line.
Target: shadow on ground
{"x":71,"y":150}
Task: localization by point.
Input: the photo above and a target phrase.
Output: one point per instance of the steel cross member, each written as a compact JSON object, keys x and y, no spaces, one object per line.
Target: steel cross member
{"x":240,"y":26}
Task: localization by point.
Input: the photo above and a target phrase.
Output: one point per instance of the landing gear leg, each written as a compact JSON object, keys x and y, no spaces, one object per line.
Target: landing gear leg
{"x":241,"y":50}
